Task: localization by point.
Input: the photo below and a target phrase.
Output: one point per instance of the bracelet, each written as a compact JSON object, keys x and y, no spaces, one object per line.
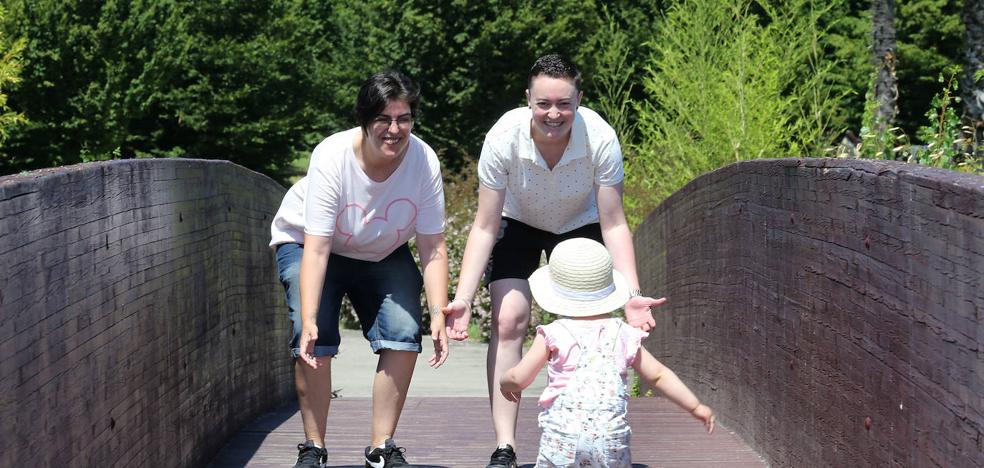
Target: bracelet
{"x":635,"y":292}
{"x":695,"y":407}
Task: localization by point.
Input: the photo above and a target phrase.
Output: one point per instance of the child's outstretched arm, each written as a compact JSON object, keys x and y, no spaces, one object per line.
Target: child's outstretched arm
{"x":666,"y":381}
{"x":522,"y":374}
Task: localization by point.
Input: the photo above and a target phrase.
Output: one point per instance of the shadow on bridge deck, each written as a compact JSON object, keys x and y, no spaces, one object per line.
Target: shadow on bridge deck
{"x":456,"y":432}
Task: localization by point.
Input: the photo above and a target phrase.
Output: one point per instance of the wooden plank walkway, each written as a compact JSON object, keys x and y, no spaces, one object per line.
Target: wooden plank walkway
{"x":450,"y":432}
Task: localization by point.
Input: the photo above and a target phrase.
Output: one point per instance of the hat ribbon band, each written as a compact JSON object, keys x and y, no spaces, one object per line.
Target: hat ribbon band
{"x":582,"y":295}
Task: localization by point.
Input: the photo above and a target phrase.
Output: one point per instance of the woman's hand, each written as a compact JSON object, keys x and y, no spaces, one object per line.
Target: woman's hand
{"x":309,"y":334}
{"x":457,"y":315}
{"x":440,"y":338}
{"x":638,"y":312}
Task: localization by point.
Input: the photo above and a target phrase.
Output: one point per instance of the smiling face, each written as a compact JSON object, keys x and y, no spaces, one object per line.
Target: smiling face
{"x":388,"y":134}
{"x":554,"y":102}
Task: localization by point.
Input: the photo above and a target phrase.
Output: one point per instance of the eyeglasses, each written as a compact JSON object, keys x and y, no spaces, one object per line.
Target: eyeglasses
{"x":384,"y":121}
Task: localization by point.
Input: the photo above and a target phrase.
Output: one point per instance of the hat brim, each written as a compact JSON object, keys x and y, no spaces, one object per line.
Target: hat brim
{"x":547,"y":298}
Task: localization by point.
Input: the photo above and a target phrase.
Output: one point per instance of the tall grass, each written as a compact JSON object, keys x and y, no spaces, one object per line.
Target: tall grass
{"x":728,"y":80}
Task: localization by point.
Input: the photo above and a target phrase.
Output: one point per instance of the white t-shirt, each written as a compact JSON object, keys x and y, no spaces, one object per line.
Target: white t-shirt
{"x":366,"y":220}
{"x":288,"y":223}
{"x":558,"y":200}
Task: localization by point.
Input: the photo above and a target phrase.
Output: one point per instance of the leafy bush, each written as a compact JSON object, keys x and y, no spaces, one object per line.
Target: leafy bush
{"x":949,"y":144}
{"x":461,"y":195}
{"x":460,"y":201}
{"x":728,"y":80}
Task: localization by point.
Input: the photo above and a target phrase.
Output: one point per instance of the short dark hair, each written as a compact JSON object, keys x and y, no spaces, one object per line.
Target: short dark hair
{"x":379,"y":90}
{"x":555,"y":66}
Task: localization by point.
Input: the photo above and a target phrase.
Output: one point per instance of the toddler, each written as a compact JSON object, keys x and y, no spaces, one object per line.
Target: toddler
{"x":583,"y":416}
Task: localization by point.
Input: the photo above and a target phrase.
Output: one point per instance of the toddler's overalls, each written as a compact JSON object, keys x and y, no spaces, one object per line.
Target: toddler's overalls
{"x":586,"y":425}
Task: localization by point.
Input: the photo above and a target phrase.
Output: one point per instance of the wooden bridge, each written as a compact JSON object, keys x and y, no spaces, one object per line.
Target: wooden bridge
{"x":831,"y":311}
{"x":457,"y":432}
{"x":446,"y":421}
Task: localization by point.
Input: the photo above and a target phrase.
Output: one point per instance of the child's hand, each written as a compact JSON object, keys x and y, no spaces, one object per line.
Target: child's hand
{"x":705,"y":414}
{"x":508,"y":386}
{"x":512,"y":396}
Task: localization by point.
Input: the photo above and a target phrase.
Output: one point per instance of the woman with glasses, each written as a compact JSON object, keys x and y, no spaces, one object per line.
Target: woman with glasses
{"x":343,"y":230}
{"x":548,"y":172}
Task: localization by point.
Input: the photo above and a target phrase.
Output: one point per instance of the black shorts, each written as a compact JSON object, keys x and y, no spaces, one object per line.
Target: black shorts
{"x":518,"y":246}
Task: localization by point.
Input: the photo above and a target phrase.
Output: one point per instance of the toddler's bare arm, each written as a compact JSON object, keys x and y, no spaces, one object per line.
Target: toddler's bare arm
{"x":662,"y":378}
{"x":522,"y":375}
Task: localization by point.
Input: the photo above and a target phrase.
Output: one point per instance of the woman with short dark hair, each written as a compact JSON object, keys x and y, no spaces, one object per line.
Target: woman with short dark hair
{"x":343,"y":230}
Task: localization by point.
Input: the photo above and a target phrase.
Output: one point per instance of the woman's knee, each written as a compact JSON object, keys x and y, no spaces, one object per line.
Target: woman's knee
{"x":511,"y":322}
{"x":510,"y":308}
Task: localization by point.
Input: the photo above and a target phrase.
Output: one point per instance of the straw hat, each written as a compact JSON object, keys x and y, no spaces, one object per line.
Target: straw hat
{"x":579,"y":280}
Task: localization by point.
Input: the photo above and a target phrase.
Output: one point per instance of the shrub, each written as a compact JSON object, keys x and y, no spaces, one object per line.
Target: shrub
{"x":728,"y":80}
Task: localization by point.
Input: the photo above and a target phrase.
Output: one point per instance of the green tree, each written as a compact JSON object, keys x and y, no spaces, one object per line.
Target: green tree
{"x":885,"y":89}
{"x":847,"y":43}
{"x":615,"y":57}
{"x":471,"y":58}
{"x":729,"y":80}
{"x":930,"y":37}
{"x":231,"y":80}
{"x":10,"y":70}
{"x":972,"y":81}
{"x":928,"y":42}
{"x":244,"y":82}
{"x":261,"y":82}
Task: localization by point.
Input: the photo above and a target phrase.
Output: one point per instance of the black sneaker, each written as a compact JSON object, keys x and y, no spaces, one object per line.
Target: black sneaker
{"x":310,"y":456}
{"x":503,"y":457}
{"x":390,"y":456}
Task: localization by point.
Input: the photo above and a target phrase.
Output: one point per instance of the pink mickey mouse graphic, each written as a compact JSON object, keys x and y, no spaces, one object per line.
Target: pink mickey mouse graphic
{"x":370,"y":231}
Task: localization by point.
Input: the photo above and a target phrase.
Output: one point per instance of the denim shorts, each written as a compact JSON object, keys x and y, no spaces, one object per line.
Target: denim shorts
{"x":518,"y":247}
{"x":385,"y":294}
